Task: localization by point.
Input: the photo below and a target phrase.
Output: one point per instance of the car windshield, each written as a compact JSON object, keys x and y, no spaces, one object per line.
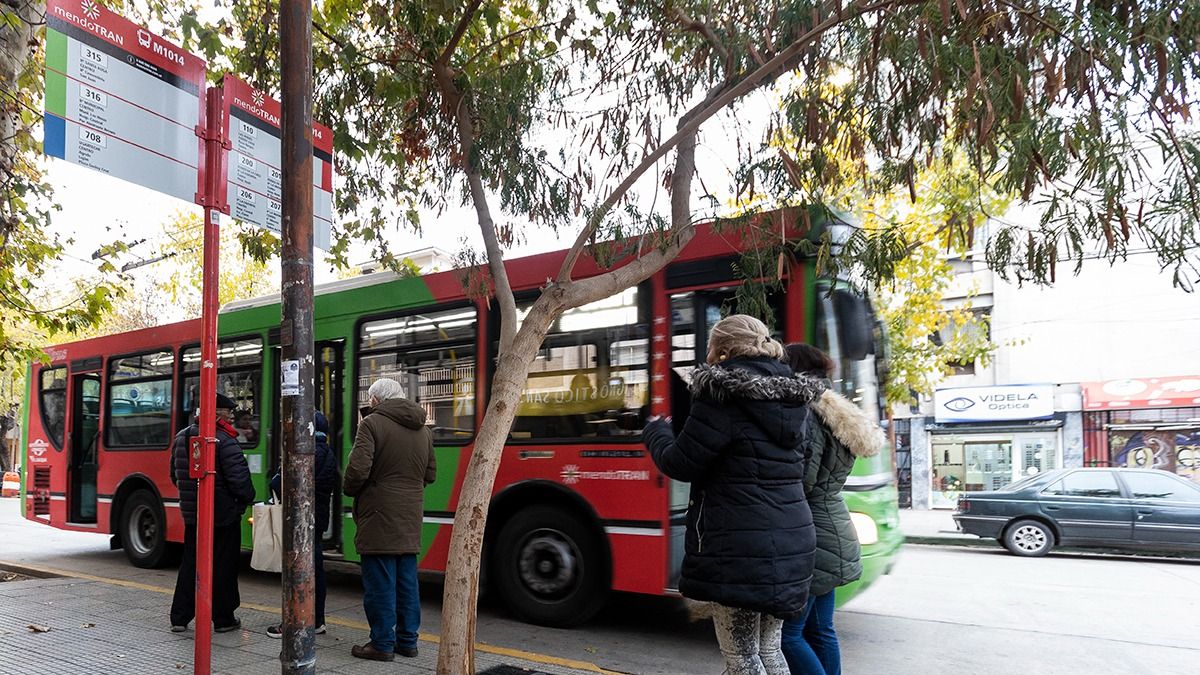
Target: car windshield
{"x":1013,"y":487}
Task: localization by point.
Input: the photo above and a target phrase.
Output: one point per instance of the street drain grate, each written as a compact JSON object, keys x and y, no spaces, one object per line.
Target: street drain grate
{"x":510,"y":670}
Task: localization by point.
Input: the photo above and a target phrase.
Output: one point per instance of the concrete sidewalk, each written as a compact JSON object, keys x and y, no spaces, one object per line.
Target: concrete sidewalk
{"x":99,"y":627}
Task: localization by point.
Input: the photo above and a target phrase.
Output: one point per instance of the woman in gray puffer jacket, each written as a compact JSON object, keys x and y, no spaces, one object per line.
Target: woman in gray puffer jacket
{"x":840,"y":432}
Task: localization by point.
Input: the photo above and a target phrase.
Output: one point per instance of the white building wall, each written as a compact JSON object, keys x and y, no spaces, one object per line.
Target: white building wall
{"x":1108,"y":322}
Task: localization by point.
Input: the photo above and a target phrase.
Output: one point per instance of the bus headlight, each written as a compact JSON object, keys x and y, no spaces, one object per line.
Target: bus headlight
{"x":864,"y":527}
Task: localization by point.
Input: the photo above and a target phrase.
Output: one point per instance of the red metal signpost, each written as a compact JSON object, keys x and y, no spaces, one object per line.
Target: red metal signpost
{"x":203,"y":462}
{"x":126,"y":102}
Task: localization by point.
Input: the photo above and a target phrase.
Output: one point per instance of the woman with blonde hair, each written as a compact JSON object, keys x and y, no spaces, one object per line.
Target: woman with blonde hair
{"x":750,"y":541}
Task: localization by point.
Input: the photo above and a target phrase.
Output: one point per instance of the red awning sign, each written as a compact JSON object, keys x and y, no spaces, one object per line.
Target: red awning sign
{"x":1147,"y":392}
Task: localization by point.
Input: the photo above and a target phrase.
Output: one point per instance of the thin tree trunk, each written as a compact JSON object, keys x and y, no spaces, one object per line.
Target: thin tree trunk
{"x":456,"y":653}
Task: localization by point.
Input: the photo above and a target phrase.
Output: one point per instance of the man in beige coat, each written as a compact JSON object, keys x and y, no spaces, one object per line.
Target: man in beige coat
{"x":389,"y":467}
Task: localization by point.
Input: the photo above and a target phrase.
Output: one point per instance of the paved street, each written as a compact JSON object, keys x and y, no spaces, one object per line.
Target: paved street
{"x":966,"y":610}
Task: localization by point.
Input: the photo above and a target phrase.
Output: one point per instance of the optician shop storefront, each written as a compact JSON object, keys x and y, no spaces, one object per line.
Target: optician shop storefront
{"x":983,"y":438}
{"x":1149,"y":422}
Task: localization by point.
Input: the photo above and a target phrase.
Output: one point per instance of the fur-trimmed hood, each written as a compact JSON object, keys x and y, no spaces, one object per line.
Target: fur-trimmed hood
{"x":766,"y":391}
{"x":849,"y":424}
{"x":754,"y":380}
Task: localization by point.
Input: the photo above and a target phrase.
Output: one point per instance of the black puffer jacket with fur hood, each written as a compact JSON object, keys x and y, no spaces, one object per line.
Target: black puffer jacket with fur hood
{"x":750,"y":539}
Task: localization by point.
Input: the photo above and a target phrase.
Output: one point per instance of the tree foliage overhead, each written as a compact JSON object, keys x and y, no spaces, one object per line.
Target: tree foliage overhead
{"x":1082,"y":109}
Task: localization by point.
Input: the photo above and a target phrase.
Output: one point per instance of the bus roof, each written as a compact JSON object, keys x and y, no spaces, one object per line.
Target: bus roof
{"x":532,"y":271}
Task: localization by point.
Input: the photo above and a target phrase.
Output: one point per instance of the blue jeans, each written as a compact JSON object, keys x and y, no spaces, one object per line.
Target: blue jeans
{"x":810,"y":644}
{"x":391,"y":600}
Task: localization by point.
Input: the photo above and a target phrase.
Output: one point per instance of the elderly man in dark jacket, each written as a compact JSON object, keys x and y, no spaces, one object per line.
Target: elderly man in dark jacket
{"x":233,"y":492}
{"x":389,"y":467}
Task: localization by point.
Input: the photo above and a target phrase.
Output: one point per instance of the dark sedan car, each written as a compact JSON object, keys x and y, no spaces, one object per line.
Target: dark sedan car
{"x":1141,"y":509}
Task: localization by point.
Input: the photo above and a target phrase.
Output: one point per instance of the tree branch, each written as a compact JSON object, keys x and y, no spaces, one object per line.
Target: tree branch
{"x":716,"y":101}
{"x":455,"y":102}
{"x":459,"y":31}
{"x":706,"y":31}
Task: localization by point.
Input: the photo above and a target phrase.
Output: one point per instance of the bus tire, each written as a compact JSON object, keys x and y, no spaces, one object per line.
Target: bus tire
{"x":547,"y":567}
{"x":144,"y":530}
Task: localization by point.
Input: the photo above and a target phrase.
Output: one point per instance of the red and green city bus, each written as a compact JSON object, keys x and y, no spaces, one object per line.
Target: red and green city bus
{"x":579,"y":508}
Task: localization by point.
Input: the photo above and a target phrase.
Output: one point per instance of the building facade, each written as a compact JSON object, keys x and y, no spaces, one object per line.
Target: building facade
{"x":1101,"y":369}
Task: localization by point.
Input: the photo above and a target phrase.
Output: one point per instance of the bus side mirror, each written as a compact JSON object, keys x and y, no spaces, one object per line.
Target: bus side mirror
{"x":854,"y":325}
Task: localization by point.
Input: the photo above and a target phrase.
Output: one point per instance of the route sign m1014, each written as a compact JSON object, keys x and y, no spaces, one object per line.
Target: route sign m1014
{"x":122,"y":100}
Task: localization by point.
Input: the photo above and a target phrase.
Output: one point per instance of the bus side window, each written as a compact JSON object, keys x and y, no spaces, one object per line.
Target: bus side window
{"x":432,"y":354}
{"x":52,"y":398}
{"x":591,"y":378}
{"x":139,"y":400}
{"x":239,"y":376}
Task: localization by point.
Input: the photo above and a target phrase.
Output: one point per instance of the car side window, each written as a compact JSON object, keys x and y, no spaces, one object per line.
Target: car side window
{"x":1094,"y":484}
{"x":1161,"y":487}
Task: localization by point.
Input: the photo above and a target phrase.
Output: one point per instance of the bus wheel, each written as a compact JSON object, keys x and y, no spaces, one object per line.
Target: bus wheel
{"x":144,"y":530}
{"x":548,"y":568}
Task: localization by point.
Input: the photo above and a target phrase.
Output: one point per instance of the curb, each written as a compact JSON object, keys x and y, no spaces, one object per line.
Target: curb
{"x":965,"y":542}
{"x":34,"y":572}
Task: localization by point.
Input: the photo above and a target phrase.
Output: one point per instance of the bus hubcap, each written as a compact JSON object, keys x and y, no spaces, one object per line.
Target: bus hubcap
{"x":548,"y":563}
{"x":143,"y":530}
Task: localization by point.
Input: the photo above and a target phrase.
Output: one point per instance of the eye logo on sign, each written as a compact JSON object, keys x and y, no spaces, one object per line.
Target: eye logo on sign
{"x":90,"y":9}
{"x":959,"y":404}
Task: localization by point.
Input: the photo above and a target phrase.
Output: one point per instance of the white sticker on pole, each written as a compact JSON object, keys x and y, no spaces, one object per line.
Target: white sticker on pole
{"x":290,"y":385}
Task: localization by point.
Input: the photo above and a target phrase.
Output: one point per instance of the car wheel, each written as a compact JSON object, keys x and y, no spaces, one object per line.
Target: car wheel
{"x":548,"y":567}
{"x":1029,"y":538}
{"x":144,"y":530}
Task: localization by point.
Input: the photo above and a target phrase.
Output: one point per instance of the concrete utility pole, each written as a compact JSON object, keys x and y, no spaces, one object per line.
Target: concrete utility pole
{"x":296,"y":387}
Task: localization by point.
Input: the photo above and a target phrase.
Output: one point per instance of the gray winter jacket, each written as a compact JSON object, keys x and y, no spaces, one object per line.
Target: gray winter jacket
{"x":840,"y":433}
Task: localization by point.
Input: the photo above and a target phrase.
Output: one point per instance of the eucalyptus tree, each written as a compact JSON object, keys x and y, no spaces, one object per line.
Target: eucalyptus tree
{"x":554,"y":114}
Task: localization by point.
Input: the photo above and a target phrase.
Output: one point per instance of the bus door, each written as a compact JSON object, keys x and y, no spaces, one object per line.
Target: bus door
{"x":328,"y":400}
{"x":83,"y":435}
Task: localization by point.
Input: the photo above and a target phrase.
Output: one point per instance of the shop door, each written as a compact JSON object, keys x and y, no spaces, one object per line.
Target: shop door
{"x":84,"y":435}
{"x":1036,"y":453}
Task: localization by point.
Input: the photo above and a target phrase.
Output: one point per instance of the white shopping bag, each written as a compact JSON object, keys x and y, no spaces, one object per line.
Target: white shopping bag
{"x":268,"y":538}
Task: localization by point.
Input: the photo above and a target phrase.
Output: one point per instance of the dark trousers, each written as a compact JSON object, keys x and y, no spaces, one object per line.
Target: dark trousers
{"x":392,"y":600}
{"x":319,"y":574}
{"x":227,"y":548}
